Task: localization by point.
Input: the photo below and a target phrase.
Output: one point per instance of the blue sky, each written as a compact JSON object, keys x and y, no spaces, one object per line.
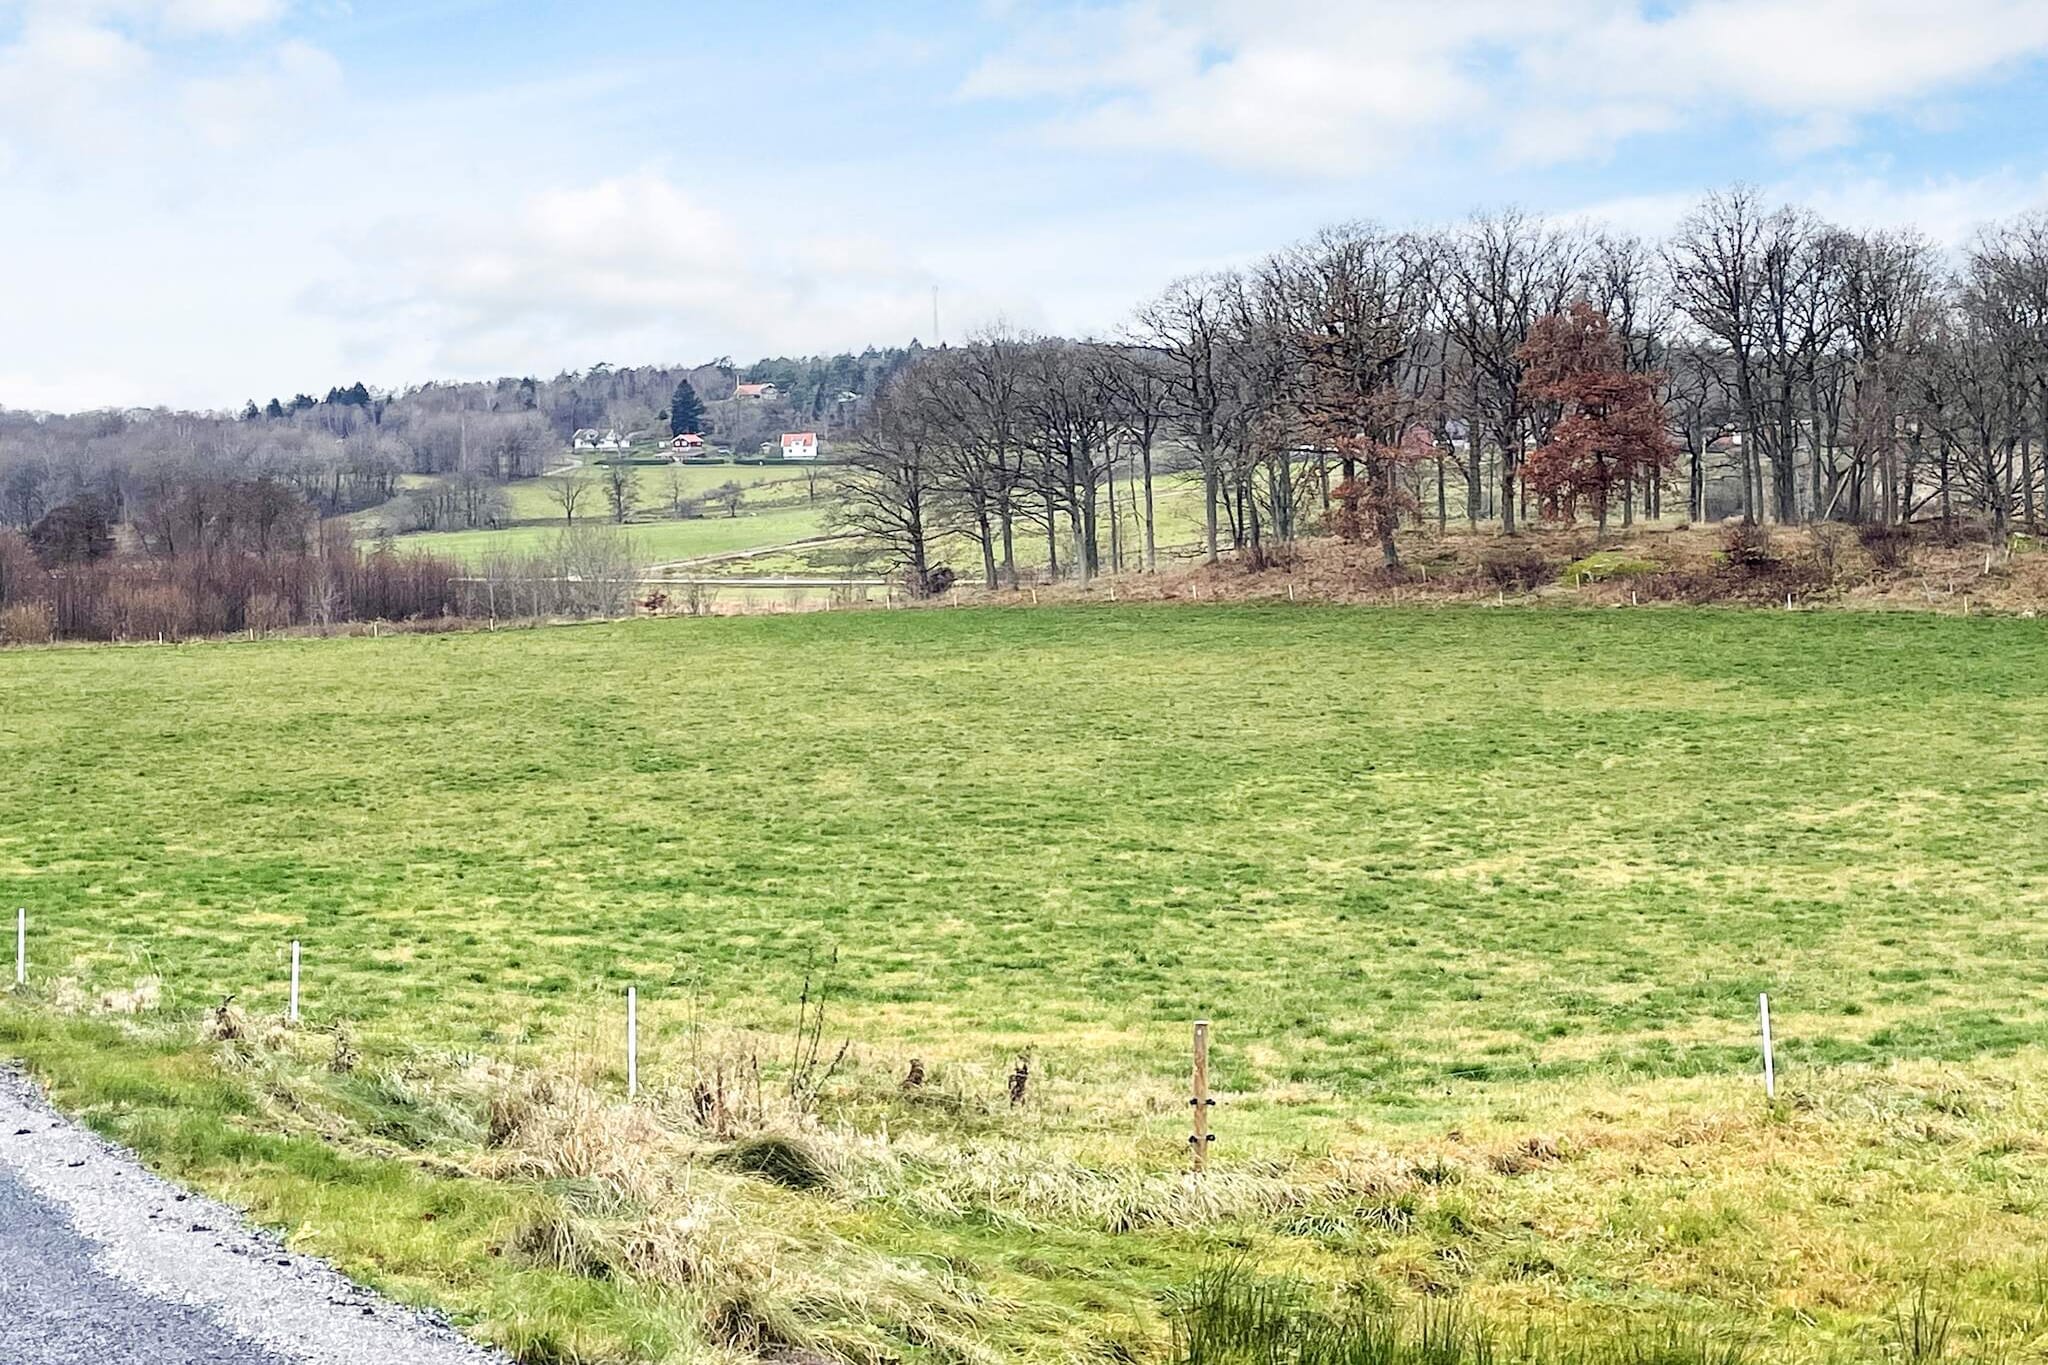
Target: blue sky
{"x":208,"y":200}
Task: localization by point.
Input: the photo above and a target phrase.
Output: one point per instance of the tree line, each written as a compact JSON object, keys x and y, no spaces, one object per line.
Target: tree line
{"x":451,"y":444}
{"x":1759,"y":363}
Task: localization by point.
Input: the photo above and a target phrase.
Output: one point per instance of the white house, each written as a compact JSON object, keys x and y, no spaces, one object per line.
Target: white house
{"x":590,"y":438}
{"x":800,"y":445}
{"x":763,"y":392}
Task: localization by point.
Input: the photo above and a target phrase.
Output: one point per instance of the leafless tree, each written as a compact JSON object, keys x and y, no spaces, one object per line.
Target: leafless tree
{"x":568,"y":492}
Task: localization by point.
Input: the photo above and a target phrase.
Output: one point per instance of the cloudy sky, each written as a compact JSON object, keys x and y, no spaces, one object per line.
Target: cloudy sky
{"x":203,"y":201}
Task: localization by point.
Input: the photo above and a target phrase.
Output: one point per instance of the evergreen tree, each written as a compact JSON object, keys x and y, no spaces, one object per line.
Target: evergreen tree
{"x":685,"y":412}
{"x":251,"y":412}
{"x":276,"y":409}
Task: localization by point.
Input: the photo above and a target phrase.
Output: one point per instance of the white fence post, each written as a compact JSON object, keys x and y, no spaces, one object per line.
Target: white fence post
{"x":21,"y":945}
{"x":632,"y":1041}
{"x":1763,"y":1010}
{"x":292,"y":1014}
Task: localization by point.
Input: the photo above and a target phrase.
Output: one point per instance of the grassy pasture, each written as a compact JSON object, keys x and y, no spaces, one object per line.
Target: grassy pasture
{"x":531,"y":499}
{"x":654,"y":541}
{"x":1479,"y":901}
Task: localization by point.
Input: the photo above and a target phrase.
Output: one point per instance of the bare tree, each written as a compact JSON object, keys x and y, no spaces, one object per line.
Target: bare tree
{"x":621,"y":491}
{"x":1188,"y":327}
{"x":1500,"y":272}
{"x":1142,"y":386}
{"x":890,"y":487}
{"x":568,"y":492}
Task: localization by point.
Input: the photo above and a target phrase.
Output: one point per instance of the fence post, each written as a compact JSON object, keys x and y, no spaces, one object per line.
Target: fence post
{"x":1201,"y":1103}
{"x":1763,"y":1010}
{"x":21,"y":945}
{"x":292,"y":1014}
{"x":632,"y":1042}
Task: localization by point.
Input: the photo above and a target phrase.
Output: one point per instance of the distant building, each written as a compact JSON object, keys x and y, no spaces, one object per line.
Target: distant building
{"x":687,"y":443}
{"x":590,"y":438}
{"x":758,"y":392}
{"x":800,"y":445}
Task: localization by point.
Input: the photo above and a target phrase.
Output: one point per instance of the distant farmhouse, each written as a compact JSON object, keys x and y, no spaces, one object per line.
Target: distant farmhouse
{"x":689,"y":443}
{"x":800,"y":445}
{"x":757,"y":392}
{"x":590,"y":438}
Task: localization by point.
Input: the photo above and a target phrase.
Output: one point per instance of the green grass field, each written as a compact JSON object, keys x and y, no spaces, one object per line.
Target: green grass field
{"x":654,"y":542}
{"x":533,"y":499}
{"x":777,"y":509}
{"x":1480,"y":903}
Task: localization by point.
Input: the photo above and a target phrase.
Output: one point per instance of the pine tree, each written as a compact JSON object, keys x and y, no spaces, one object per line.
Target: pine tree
{"x":685,"y":412}
{"x":250,"y":412}
{"x":276,"y":409}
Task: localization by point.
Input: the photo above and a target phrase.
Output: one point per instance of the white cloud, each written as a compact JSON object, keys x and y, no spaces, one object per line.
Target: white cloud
{"x":278,"y":88}
{"x":1948,"y":210}
{"x":220,"y":16}
{"x":628,"y":268}
{"x":102,"y":76}
{"x":1304,"y":86}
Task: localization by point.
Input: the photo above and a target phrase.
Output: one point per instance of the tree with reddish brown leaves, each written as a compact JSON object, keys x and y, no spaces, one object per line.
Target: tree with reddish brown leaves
{"x":1608,"y":428}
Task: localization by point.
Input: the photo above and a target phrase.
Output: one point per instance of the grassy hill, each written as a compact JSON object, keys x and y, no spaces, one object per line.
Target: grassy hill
{"x":1479,"y":903}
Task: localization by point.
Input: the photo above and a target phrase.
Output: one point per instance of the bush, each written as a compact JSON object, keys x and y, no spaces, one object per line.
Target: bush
{"x":1518,"y":566}
{"x":784,"y":1161}
{"x":27,"y":623}
{"x":1747,"y":545}
{"x":1827,"y":540}
{"x":1605,"y":565}
{"x":1890,"y":547}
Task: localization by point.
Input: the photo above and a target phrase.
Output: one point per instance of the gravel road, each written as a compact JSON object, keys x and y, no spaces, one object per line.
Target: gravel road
{"x":103,"y":1263}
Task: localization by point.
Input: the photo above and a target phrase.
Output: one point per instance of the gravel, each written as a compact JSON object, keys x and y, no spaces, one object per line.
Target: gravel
{"x":101,"y":1261}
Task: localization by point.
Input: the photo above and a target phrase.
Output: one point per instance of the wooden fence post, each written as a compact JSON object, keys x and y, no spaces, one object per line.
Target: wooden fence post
{"x":1763,"y":1010}
{"x":632,"y":1041}
{"x":292,"y":1013}
{"x":21,"y":945}
{"x":1201,"y":1103}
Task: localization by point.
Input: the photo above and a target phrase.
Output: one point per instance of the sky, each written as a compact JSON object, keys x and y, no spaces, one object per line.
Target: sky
{"x":207,"y":201}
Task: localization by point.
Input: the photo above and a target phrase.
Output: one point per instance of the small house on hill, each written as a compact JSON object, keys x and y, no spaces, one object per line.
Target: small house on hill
{"x":757,"y":392}
{"x":800,"y":445}
{"x":590,"y":438}
{"x":686,"y":444}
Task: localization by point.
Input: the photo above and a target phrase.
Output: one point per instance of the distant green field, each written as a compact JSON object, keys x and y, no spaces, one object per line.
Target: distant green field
{"x":654,"y":541}
{"x":533,"y":498}
{"x":1480,"y":903}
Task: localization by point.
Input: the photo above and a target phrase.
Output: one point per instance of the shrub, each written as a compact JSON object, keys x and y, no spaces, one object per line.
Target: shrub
{"x":1518,"y":566}
{"x":1604,"y":565}
{"x":266,"y":612}
{"x":27,"y":623}
{"x":1747,"y":545}
{"x":1890,"y":547}
{"x":1827,"y":540}
{"x":784,"y":1161}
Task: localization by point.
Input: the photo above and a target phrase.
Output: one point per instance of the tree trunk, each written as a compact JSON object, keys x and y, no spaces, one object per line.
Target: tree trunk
{"x":1151,"y":541}
{"x":1509,"y":448}
{"x":1209,"y":492}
